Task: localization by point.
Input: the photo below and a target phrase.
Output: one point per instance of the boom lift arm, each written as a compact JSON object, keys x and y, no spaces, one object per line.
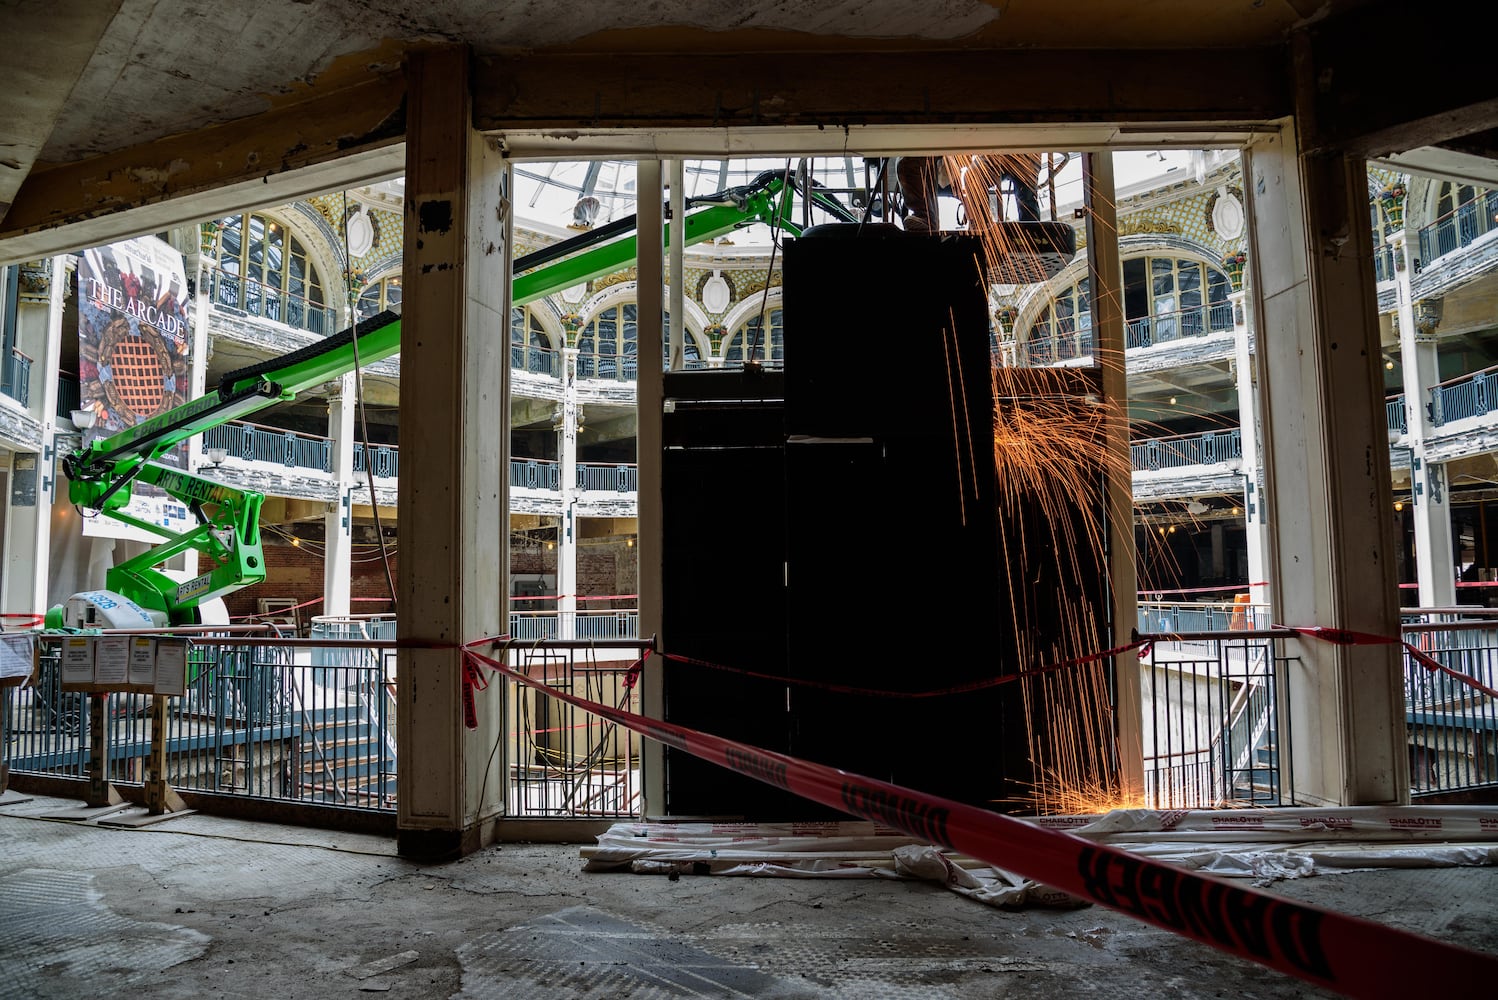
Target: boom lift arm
{"x":227,"y":533}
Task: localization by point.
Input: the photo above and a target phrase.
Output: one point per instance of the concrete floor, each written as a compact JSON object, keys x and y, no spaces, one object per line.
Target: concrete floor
{"x":207,"y":907}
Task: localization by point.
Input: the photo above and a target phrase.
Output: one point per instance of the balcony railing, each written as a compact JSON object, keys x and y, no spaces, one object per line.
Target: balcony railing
{"x":1459,"y":228}
{"x":16,"y":380}
{"x":254,"y":443}
{"x":1383,"y":263}
{"x":1167,"y":327}
{"x":1184,"y":450}
{"x":256,"y":298}
{"x":1395,"y":415}
{"x":1143,"y":332}
{"x":536,"y":359}
{"x":1471,"y":395}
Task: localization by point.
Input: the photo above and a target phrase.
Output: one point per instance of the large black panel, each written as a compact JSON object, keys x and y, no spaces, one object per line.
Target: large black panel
{"x":723,"y":479}
{"x":883,"y":335}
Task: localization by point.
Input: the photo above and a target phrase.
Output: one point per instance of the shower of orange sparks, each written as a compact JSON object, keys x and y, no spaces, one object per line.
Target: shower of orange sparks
{"x":1051,"y":455}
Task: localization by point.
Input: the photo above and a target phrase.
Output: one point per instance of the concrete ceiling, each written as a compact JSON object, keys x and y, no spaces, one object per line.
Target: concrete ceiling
{"x":108,"y":105}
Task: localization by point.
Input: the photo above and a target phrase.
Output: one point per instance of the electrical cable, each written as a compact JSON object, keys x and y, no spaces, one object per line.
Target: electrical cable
{"x":764,"y":303}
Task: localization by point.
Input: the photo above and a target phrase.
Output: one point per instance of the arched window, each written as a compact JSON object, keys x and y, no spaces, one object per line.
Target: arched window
{"x":691,"y":357}
{"x":608,"y":345}
{"x":383,"y":294}
{"x":1063,"y":330}
{"x":264,"y":270}
{"x":748,"y":341}
{"x":530,"y":347}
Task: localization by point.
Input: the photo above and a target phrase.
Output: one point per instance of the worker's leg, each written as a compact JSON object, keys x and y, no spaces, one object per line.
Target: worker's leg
{"x":916,"y":175}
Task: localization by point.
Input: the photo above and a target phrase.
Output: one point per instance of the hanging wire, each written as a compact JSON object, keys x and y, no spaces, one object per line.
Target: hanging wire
{"x":374,"y":500}
{"x":749,"y":360}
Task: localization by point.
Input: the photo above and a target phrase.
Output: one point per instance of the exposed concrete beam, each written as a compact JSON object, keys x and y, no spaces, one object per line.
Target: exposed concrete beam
{"x":44,"y":57}
{"x":1425,"y":93}
{"x":1443,"y":164}
{"x":350,"y":137}
{"x":835,"y":89}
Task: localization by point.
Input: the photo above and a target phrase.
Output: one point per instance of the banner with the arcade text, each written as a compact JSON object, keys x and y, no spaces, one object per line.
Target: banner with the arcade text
{"x":134,"y":360}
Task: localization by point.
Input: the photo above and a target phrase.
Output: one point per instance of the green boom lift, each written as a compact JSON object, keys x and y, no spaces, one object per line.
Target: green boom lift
{"x":138,"y":594}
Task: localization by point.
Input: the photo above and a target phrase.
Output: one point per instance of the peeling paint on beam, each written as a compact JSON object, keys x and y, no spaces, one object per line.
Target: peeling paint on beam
{"x":366,"y":117}
{"x":897,"y":88}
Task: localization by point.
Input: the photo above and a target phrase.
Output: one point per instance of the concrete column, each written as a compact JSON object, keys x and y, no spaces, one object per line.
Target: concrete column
{"x":338,"y":533}
{"x":1327,"y":469}
{"x":569,"y":422}
{"x":455,"y":438}
{"x":1435,"y":556}
{"x":649,"y":397}
{"x":1105,"y":274}
{"x":1251,"y":465}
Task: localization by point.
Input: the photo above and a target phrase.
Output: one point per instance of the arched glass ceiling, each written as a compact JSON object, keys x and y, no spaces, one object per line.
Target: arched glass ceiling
{"x":554,"y":195}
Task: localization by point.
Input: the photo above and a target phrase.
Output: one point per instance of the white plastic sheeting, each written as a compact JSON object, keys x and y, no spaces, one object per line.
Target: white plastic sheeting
{"x":1261,"y":844}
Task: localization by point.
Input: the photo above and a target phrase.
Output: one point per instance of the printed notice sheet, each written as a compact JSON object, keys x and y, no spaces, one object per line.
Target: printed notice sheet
{"x":17,"y":656}
{"x":112,"y":661}
{"x":142,"y":660}
{"x":171,"y":666}
{"x":77,"y":660}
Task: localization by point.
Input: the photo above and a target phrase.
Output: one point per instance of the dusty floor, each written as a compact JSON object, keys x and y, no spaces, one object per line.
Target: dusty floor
{"x":206,"y":907}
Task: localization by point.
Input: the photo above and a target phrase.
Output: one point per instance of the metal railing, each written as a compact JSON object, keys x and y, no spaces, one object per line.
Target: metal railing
{"x":1458,"y":228}
{"x":535,"y":474}
{"x":567,"y":762}
{"x":615,"y":478}
{"x":1176,"y":452}
{"x":1166,"y":327}
{"x":1471,"y":395}
{"x":1383,"y":262}
{"x":539,"y":360}
{"x":1201,"y":616}
{"x":1145,"y":331}
{"x":1453,"y":727}
{"x":1395,"y":415}
{"x":257,"y":721}
{"x":15,"y":381}
{"x":313,"y":721}
{"x":256,"y":298}
{"x":620,"y":623}
{"x":255,"y":443}
{"x":1212,"y":731}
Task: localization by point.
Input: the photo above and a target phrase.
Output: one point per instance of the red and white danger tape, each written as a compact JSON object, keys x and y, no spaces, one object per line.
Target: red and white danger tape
{"x":1356,"y":957}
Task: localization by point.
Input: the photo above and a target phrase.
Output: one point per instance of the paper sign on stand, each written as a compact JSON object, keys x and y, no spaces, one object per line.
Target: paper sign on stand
{"x":77,"y":662}
{"x":171,"y":667}
{"x":111,"y":661}
{"x":142,"y":663}
{"x":18,"y":658}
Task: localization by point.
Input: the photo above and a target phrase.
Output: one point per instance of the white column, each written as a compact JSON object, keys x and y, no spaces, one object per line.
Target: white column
{"x":1251,"y":466}
{"x":338,"y":531}
{"x":1435,"y":557}
{"x":569,"y":421}
{"x":1105,"y":273}
{"x":1327,"y":468}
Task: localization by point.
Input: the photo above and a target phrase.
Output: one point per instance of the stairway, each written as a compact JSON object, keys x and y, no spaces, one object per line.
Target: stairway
{"x":345,"y":759}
